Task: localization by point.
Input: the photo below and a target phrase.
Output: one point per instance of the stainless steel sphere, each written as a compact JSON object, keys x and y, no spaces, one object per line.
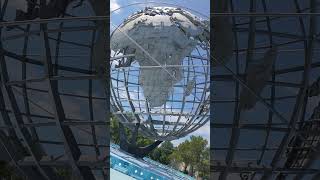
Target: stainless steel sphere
{"x":160,"y":72}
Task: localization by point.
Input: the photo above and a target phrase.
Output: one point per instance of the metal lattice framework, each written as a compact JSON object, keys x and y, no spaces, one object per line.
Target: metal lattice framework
{"x":265,"y":90}
{"x":186,"y":107}
{"x":53,"y":97}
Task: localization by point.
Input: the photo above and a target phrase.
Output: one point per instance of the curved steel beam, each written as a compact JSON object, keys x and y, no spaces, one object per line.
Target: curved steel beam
{"x":34,"y":150}
{"x":71,"y":148}
{"x":297,"y":112}
{"x":233,"y":143}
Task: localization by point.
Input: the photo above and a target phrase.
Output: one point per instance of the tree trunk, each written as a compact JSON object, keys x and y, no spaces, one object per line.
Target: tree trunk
{"x":191,"y":170}
{"x":185,"y":168}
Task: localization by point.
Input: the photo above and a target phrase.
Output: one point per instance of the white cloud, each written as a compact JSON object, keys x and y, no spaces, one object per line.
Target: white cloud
{"x":114,"y":5}
{"x":203,"y":131}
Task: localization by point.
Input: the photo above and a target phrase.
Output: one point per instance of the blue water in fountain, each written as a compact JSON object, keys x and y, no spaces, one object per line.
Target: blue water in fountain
{"x":141,"y":169}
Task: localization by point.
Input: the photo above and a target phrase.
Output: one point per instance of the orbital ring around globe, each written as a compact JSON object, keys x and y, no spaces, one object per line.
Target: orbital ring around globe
{"x":160,"y":72}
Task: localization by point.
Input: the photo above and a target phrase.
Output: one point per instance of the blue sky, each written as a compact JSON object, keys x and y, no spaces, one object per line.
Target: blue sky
{"x":201,"y":6}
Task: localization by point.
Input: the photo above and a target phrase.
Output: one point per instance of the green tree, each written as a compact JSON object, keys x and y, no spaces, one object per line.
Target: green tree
{"x":194,"y":154}
{"x":182,"y":155}
{"x":64,"y":173}
{"x":7,"y":172}
{"x":162,"y":153}
{"x":203,"y":167}
{"x":197,"y":149}
{"x":115,"y":137}
{"x":114,"y":130}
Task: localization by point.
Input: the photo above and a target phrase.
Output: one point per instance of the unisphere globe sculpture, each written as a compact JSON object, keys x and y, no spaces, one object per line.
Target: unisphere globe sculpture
{"x":160,"y":72}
